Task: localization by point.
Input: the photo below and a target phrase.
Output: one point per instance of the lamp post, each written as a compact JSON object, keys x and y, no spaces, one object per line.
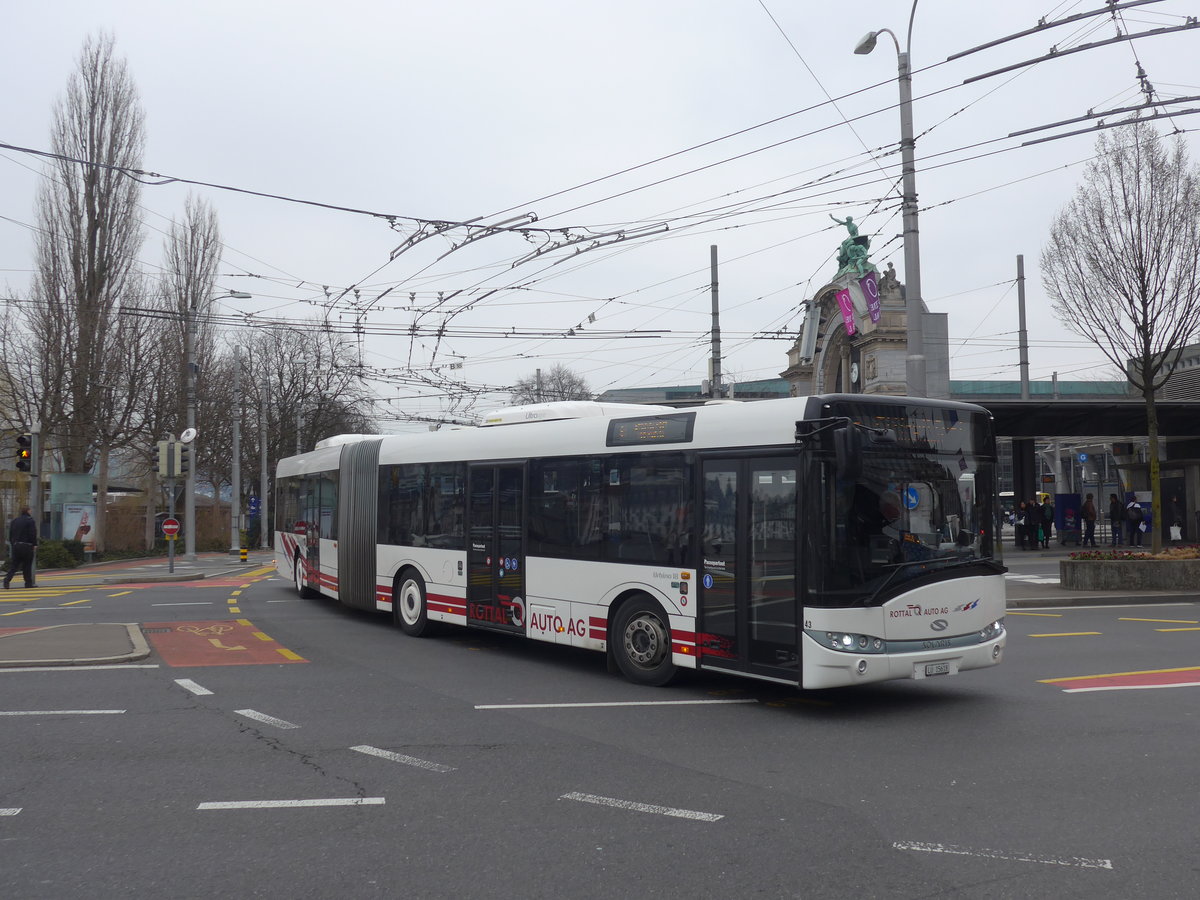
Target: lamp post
{"x":914,"y":308}
{"x":189,"y":490}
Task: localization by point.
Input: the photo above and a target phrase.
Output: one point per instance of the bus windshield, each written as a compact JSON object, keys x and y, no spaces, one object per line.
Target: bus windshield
{"x":916,"y":509}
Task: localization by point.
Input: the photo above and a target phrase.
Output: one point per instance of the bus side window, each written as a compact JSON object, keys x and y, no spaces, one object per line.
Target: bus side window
{"x":445,"y":500}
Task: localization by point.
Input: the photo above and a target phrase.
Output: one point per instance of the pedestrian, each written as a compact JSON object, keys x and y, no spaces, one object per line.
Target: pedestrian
{"x":22,"y":537}
{"x":1034,"y":519}
{"x":1089,"y":522}
{"x":1116,"y":515}
{"x":1019,"y":524}
{"x":1136,"y":520}
{"x":1047,"y":522}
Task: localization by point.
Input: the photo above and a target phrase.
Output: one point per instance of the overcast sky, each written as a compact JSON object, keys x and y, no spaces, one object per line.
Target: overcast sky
{"x":709,"y":117}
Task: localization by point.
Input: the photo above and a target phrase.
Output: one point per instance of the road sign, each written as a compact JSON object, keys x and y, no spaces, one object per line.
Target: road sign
{"x":1083,"y":457}
{"x":170,"y":527}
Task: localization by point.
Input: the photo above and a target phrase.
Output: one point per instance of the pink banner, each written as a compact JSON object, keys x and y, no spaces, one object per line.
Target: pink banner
{"x":871,"y":291}
{"x":847,"y":308}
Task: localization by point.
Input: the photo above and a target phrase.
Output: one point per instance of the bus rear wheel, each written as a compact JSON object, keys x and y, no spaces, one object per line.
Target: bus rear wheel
{"x":410,"y":605}
{"x":641,"y":643}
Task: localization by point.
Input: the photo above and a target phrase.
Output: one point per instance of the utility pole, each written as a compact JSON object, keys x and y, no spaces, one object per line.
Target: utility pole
{"x":716,"y":389}
{"x":235,"y":496}
{"x":1022,"y":331}
{"x":265,"y":532}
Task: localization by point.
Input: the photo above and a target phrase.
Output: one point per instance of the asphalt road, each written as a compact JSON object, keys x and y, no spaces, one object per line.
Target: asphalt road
{"x":334,"y":756}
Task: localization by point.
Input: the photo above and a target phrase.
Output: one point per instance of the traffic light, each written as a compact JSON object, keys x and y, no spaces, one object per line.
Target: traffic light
{"x":24,"y":452}
{"x":183,"y":459}
{"x":165,"y":470}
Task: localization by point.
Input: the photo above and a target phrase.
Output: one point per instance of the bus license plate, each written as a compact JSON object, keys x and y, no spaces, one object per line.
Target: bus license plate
{"x":940,"y":668}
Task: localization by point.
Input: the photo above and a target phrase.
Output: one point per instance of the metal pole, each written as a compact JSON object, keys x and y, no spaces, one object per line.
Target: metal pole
{"x":716,"y":389}
{"x":1022,"y":331}
{"x":35,"y":492}
{"x":171,"y":481}
{"x":265,"y":531}
{"x":914,"y":307}
{"x":235,"y":494}
{"x":189,"y":483}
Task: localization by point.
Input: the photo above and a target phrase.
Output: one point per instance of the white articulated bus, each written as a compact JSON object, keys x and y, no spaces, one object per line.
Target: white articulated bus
{"x":821,"y":541}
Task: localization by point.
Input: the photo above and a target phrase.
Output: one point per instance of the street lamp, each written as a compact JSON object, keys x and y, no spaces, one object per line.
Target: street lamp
{"x":914,"y":308}
{"x":189,"y":490}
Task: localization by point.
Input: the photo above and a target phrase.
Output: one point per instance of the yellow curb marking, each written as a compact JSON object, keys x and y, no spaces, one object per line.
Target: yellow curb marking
{"x":120,"y":594}
{"x":288,"y":654}
{"x":245,"y":622}
{"x":16,"y":612}
{"x":235,"y":593}
{"x":75,"y":602}
{"x":268,"y":570}
{"x":1177,"y":629}
{"x":1169,"y":621}
{"x":263,"y":637}
{"x":1068,"y":634}
{"x":234,"y":609}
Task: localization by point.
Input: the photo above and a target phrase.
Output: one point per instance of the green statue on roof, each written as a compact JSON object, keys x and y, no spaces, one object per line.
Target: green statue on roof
{"x":852,"y":257}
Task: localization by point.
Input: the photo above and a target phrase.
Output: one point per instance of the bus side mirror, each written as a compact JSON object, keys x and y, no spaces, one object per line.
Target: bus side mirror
{"x":848,"y":448}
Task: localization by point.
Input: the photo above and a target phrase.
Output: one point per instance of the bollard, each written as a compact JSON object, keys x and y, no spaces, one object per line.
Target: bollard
{"x":244,"y":553}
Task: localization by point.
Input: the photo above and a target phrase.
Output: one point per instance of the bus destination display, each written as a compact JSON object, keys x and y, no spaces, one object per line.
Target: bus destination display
{"x":663,"y":429}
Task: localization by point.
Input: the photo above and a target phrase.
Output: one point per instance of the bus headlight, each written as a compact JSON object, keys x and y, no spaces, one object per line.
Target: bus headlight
{"x":851,"y":642}
{"x":991,"y":632}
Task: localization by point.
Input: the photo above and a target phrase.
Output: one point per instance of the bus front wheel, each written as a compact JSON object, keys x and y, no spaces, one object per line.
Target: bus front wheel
{"x":302,"y":588}
{"x":641,"y":643}
{"x":410,"y":605}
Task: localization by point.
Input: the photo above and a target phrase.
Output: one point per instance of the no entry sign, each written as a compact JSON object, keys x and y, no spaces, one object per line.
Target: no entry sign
{"x":170,"y":527}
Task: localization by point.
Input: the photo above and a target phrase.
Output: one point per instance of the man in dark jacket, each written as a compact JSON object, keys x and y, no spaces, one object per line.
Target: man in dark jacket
{"x":22,"y":537}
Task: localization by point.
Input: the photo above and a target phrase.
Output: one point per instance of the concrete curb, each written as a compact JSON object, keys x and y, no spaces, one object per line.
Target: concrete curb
{"x":139,"y":649}
{"x":1103,"y":600}
{"x":151,"y":579}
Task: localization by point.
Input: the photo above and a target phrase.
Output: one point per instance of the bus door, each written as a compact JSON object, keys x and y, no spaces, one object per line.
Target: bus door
{"x":749,"y":607}
{"x":496,"y":550}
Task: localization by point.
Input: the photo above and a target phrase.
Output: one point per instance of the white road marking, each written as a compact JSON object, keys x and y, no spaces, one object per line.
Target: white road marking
{"x":188,"y":684}
{"x":10,"y":811}
{"x":642,"y":807}
{"x":625,"y":703}
{"x":63,"y":712}
{"x":4,"y":671}
{"x":189,"y":603}
{"x":1034,"y":579}
{"x":1074,"y":861}
{"x":292,"y":804}
{"x":1112,"y":606}
{"x":1131,"y":687}
{"x":264,"y":718}
{"x":401,"y":758}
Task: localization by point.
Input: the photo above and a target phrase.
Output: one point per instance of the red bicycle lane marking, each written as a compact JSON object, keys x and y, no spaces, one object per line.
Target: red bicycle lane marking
{"x":226,"y":642}
{"x":1188,"y":676}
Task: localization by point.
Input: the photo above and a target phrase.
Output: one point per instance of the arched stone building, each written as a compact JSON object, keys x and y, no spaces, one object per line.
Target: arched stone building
{"x":825,"y":359}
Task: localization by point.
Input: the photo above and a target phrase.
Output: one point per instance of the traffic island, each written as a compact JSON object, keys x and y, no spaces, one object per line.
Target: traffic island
{"x":1172,"y":570}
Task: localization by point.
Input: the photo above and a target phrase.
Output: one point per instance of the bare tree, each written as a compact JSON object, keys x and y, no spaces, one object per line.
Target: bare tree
{"x":88,"y":238}
{"x":305,"y":382}
{"x":559,"y":383}
{"x":193,"y":254}
{"x":1122,"y":266}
